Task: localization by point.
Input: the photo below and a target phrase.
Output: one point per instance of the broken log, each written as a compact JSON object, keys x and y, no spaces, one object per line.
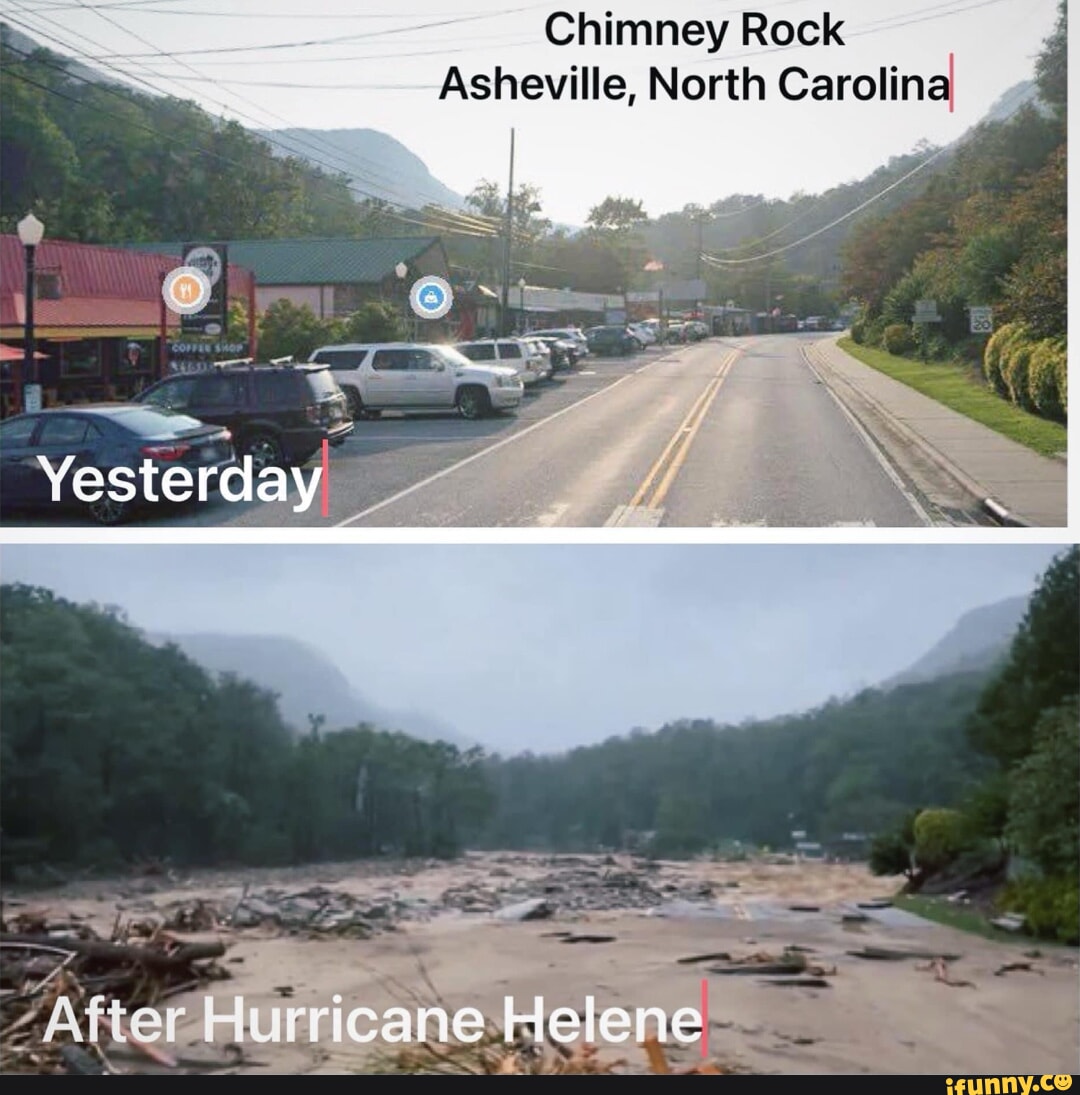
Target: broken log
{"x":101,"y":950}
{"x":884,"y":954}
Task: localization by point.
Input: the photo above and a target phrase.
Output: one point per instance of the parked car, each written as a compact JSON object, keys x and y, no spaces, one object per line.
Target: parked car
{"x":414,"y":376}
{"x":539,"y":356}
{"x":102,"y":436}
{"x":696,"y":330}
{"x":568,"y":334}
{"x":611,"y":340}
{"x":675,"y":332}
{"x":643,"y":333}
{"x":564,"y":353}
{"x":532,"y":365}
{"x":278,"y":414}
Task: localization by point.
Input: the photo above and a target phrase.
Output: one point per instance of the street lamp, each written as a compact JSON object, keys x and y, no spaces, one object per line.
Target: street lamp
{"x":521,"y":307}
{"x":402,"y":272}
{"x":30,"y":231}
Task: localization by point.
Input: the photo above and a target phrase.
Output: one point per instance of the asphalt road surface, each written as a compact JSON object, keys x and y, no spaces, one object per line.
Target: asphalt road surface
{"x":724,"y":433}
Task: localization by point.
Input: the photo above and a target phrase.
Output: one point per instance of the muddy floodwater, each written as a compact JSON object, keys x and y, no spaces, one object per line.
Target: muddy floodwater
{"x":803,"y":967}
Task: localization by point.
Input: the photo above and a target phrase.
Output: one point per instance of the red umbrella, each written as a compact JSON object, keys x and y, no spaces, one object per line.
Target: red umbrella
{"x":14,"y":353}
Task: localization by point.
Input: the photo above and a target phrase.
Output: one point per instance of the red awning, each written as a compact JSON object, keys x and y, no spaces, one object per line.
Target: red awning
{"x":14,"y":353}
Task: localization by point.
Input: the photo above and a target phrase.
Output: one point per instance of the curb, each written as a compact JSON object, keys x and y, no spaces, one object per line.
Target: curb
{"x":990,"y":506}
{"x":1002,"y":516}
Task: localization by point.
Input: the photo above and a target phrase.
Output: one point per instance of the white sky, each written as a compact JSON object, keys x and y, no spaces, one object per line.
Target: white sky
{"x":546,"y":647}
{"x":667,"y":154}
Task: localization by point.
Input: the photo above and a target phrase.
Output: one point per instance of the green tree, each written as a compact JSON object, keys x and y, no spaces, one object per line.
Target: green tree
{"x":1043,"y":670}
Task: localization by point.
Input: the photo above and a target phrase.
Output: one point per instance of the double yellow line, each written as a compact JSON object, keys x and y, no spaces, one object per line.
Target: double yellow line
{"x":671,"y":460}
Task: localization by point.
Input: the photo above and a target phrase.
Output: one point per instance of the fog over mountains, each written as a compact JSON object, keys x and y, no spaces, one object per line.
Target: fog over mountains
{"x":309,"y":683}
{"x":976,"y":641}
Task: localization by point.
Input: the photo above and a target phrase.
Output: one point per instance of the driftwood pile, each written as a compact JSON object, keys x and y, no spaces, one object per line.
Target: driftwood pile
{"x":523,"y":1055}
{"x":139,"y":965}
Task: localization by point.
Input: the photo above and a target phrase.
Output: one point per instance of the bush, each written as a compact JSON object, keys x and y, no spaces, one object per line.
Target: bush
{"x":940,"y":837}
{"x":1051,"y":906}
{"x":1015,"y":367}
{"x":874,"y":330}
{"x":858,"y":332}
{"x":1044,"y":372}
{"x":1062,"y":366}
{"x":993,"y":359}
{"x":897,"y":339}
{"x":891,"y":852}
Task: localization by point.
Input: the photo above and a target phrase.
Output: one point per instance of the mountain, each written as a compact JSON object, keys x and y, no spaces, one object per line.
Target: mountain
{"x":976,"y":641}
{"x":377,"y":165}
{"x":23,"y":43}
{"x":306,"y":681}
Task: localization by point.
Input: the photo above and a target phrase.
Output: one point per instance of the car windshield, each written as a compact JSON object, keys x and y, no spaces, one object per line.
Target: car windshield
{"x":451,"y":356}
{"x":153,"y":422}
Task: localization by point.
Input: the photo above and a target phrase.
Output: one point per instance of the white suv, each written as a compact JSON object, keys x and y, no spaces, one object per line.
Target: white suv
{"x":516,"y":353}
{"x":403,"y":376}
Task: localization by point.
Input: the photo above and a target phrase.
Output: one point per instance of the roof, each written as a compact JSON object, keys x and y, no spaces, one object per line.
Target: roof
{"x":317,"y":261}
{"x":100,"y":287}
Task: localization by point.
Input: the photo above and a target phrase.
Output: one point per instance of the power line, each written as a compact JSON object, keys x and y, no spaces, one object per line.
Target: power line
{"x":166,"y":138}
{"x":712,"y":260}
{"x":331,"y":41}
{"x":472,"y":223}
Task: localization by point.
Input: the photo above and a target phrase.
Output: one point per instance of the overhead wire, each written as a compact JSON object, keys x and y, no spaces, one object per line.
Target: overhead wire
{"x":712,"y":260}
{"x":342,"y":166}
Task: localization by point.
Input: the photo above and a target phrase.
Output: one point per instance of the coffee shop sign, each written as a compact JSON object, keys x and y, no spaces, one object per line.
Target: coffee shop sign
{"x":207,"y":349}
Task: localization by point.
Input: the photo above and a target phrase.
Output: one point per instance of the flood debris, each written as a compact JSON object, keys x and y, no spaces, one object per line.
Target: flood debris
{"x":1010,"y":922}
{"x":589,"y":939}
{"x":715,"y":956}
{"x":940,"y":969}
{"x":1016,"y":967}
{"x":798,"y":982}
{"x":522,"y":1054}
{"x":315,"y":911}
{"x":138,"y":966}
{"x":791,"y":962}
{"x":536,"y":908}
{"x":888,"y":954}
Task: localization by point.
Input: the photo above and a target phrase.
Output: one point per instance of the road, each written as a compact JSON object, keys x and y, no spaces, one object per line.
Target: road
{"x":724,"y":433}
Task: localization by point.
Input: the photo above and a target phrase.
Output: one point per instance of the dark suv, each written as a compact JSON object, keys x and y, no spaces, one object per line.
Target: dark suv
{"x":278,"y":414}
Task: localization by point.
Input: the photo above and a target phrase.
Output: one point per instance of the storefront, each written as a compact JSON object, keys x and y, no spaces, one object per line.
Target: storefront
{"x":101,"y":328}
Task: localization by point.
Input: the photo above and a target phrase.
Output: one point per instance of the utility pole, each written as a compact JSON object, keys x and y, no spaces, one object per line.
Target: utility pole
{"x":505,"y":309}
{"x":700,"y":241}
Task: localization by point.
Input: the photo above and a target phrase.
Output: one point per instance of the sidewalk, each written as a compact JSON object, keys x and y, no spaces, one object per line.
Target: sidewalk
{"x":1030,"y":487}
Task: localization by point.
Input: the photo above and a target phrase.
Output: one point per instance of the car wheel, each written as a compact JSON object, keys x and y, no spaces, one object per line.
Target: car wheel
{"x":473,"y":403}
{"x":264,"y":449}
{"x":106,"y":511}
{"x":356,"y":404}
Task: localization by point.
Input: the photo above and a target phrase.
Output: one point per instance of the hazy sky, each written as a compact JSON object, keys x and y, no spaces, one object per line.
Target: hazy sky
{"x":387,"y":76}
{"x":544,"y":647}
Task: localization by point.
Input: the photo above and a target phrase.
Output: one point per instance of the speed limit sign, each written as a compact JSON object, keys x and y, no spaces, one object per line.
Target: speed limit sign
{"x":982,"y":320}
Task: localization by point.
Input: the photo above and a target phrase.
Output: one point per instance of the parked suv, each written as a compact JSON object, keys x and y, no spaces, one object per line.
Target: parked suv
{"x":278,"y":414}
{"x":611,"y":340}
{"x":516,"y":353}
{"x":406,"y":376}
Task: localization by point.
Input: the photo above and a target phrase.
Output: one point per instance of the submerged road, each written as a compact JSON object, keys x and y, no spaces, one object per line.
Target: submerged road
{"x":724,"y":433}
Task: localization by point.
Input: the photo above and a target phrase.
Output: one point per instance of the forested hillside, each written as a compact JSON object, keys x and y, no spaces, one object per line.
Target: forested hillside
{"x":113,"y":748}
{"x":849,"y":765}
{"x":989,"y":230}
